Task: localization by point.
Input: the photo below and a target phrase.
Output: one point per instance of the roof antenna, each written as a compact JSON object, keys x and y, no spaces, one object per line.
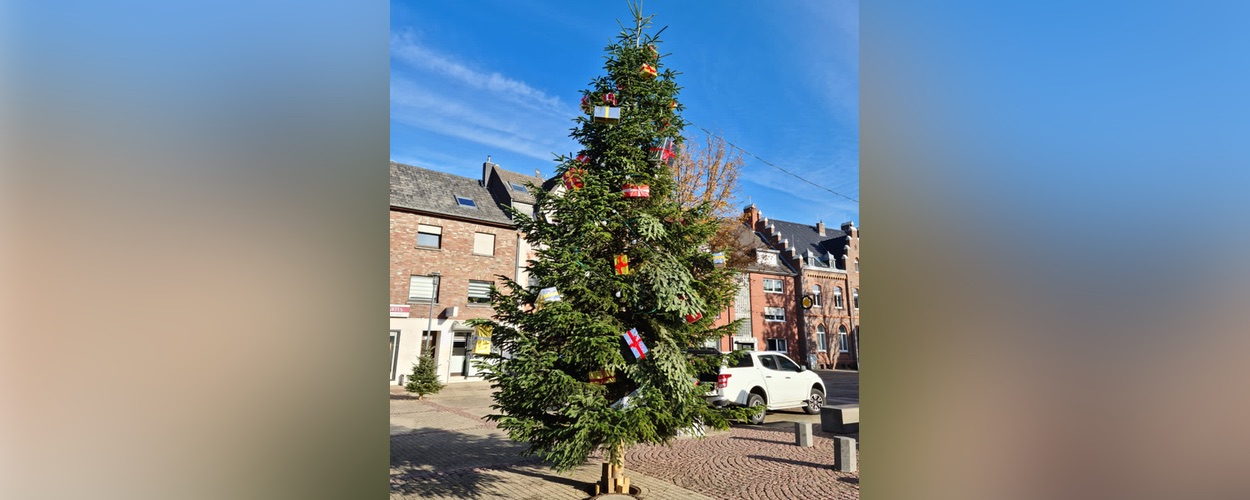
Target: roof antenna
{"x":487,"y":158}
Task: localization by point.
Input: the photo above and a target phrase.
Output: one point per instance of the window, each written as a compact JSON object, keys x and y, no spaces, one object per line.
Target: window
{"x":821,"y":338}
{"x":772,"y":286}
{"x":857,"y":265}
{"x":786,"y":365}
{"x":774,"y":314}
{"x":465,"y":201}
{"x":855,"y":298}
{"x":837,"y":297}
{"x":843,"y":344}
{"x":815,"y":295}
{"x":423,"y":289}
{"x":770,"y":362}
{"x":483,"y":244}
{"x":479,"y":292}
{"x":518,"y":187}
{"x":775,"y":345}
{"x":429,"y":236}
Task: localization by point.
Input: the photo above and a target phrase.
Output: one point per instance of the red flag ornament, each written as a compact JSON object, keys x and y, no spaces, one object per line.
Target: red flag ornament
{"x":635,"y":344}
{"x":621,"y":264}
{"x":573,"y":179}
{"x":637,"y":191}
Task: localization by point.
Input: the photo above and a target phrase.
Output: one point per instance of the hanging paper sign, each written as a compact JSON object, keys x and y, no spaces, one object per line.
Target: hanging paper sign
{"x":586,"y":105}
{"x":718,"y":259}
{"x":602,"y":377}
{"x":609,"y":98}
{"x":636,"y":347}
{"x":636,"y":191}
{"x":691,"y":318}
{"x":621,"y":263}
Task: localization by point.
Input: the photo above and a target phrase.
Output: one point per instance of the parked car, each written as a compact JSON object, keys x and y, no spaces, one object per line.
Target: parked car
{"x":763,"y":377}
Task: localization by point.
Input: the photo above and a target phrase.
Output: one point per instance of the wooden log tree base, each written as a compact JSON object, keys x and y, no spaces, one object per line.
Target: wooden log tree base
{"x":612,"y":480}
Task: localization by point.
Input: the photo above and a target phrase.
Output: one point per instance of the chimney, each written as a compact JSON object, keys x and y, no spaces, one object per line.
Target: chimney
{"x":751,"y":216}
{"x":820,"y":228}
{"x":486,"y":170}
{"x":848,"y":227}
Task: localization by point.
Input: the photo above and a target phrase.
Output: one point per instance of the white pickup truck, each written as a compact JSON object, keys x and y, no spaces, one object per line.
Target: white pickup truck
{"x":766,"y":377}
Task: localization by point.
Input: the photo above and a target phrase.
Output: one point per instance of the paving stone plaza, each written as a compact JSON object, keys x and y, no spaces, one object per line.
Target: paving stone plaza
{"x":442,"y":448}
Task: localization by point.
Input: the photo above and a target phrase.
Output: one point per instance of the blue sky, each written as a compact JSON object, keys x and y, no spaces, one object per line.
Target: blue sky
{"x":503,"y":78}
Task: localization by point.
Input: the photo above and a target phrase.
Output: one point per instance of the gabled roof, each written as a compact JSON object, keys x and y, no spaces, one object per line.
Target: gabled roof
{"x":804,"y":238}
{"x":425,"y":190}
{"x":508,"y":177}
{"x":752,"y":242}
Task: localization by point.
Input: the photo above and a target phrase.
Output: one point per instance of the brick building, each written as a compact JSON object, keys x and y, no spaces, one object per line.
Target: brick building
{"x":763,"y":299}
{"x":449,"y":241}
{"x":826,"y":262}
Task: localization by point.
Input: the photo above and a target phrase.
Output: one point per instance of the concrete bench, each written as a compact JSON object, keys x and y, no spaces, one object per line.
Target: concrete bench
{"x":839,"y":419}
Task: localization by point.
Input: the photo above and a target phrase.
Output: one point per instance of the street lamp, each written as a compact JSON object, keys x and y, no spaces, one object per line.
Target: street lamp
{"x":429,"y":324}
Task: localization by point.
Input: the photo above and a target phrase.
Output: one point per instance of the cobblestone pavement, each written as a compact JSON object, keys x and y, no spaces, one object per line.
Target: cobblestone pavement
{"x":442,"y":448}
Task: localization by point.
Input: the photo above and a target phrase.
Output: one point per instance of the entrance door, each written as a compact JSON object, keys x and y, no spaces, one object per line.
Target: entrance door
{"x":459,"y":344}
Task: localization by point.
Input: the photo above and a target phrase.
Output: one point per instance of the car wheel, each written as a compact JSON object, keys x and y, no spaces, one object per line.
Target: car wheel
{"x":814,"y":402}
{"x":756,"y":418}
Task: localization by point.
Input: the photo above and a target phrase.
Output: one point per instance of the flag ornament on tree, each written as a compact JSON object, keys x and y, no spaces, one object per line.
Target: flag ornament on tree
{"x":586,"y":105}
{"x":695,"y":316}
{"x":718,"y":259}
{"x":636,"y":346}
{"x":621,"y":264}
{"x":653,"y":52}
{"x":636,"y":191}
{"x":609,"y":98}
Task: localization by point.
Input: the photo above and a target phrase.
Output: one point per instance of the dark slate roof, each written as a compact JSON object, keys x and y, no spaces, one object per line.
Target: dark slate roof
{"x":508,"y":177}
{"x":424,"y":190}
{"x":751,"y":241}
{"x":804,"y":238}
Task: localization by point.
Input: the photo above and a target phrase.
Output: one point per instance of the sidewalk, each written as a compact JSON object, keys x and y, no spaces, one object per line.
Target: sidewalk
{"x":442,"y":448}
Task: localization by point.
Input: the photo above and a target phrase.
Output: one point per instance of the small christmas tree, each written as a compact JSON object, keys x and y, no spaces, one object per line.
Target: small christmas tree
{"x":424,"y":379}
{"x":594,"y":356}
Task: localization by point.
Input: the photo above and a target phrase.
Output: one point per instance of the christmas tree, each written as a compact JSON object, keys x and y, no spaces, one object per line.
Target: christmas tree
{"x":594,"y":357}
{"x":424,"y":380}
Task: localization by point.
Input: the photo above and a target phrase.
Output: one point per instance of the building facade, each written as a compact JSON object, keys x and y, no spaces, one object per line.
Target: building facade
{"x":826,"y":265}
{"x":450,"y":240}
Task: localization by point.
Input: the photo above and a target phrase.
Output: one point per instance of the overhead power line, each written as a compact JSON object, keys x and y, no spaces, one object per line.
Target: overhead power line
{"x":766,"y":162}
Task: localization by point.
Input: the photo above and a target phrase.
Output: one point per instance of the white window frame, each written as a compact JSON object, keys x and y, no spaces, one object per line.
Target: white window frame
{"x":433,"y":285}
{"x":857,"y":264}
{"x":844,"y":344}
{"x":816,"y":302}
{"x":837,"y":297}
{"x":781,"y":287}
{"x":776,"y":344}
{"x":477,"y":284}
{"x":855,"y":298}
{"x":425,"y":229}
{"x":780,"y":312}
{"x":478,"y":242}
{"x":822,"y":339}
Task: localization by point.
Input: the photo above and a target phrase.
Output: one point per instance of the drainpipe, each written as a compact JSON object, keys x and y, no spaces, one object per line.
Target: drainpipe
{"x":429,"y":323}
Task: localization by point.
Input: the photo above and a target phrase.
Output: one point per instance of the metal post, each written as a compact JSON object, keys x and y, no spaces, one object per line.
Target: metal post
{"x":429,"y":323}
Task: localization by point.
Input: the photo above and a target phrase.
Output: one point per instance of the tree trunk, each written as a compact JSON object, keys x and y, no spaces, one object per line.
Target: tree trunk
{"x":613,"y":479}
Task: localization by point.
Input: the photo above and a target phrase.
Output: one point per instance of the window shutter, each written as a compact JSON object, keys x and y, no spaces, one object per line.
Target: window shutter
{"x":422,"y":228}
{"x":479,"y":291}
{"x":421,"y":288}
{"x":483,"y":244}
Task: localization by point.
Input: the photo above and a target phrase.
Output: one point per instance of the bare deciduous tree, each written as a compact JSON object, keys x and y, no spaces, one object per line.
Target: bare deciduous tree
{"x":709,"y":173}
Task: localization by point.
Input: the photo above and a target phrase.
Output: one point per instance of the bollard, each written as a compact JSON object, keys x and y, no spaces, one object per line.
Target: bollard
{"x":844,"y":454}
{"x":803,"y":434}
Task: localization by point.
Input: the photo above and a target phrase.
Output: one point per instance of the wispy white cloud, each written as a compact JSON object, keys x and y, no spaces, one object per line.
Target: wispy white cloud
{"x":404,"y":48}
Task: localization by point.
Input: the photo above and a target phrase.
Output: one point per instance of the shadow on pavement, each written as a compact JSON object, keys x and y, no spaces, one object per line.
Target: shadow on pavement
{"x":556,"y":477}
{"x":436,"y":462}
{"x":791,"y":462}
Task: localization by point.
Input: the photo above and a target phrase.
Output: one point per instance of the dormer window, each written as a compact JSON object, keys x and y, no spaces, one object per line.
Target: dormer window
{"x":520,"y":188}
{"x":466,"y":202}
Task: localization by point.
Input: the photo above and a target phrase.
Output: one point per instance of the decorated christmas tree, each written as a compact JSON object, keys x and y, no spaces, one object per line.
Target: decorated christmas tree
{"x":424,"y":380}
{"x":594,"y":357}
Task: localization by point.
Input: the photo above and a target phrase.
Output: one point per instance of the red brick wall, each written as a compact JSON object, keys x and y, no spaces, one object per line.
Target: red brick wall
{"x":455,"y":260}
{"x":763,"y":330}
